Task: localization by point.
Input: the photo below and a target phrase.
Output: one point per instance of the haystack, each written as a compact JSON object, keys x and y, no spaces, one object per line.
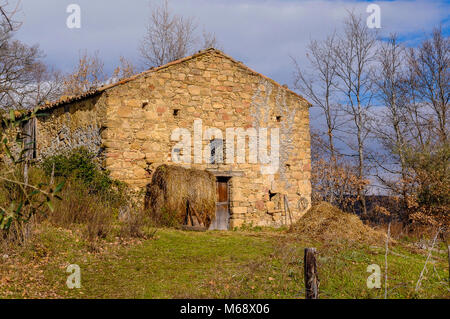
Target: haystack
{"x":186,"y":195}
{"x":328,"y":223}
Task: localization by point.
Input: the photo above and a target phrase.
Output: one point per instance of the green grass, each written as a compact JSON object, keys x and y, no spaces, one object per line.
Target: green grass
{"x":235,"y":264}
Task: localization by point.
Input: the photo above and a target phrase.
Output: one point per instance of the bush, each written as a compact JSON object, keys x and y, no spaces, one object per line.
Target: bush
{"x":93,"y":200}
{"x":82,"y":208}
{"x":80,"y":165}
{"x":428,"y":185}
{"x":21,"y":200}
{"x":24,"y":201}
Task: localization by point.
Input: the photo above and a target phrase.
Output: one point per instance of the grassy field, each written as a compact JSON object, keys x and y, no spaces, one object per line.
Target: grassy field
{"x":256,"y":263}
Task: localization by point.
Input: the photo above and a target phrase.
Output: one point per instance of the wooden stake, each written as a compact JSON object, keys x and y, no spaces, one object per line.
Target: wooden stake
{"x":286,"y":208}
{"x":311,"y":276}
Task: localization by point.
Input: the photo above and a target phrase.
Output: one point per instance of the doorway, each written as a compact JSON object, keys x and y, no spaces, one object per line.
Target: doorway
{"x":222,"y":219}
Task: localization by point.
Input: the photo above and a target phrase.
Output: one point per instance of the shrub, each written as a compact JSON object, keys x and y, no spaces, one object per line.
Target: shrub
{"x":133,"y":221}
{"x":92,"y":201}
{"x":82,"y":208}
{"x":428,"y":186}
{"x":79,"y":164}
{"x":21,"y":200}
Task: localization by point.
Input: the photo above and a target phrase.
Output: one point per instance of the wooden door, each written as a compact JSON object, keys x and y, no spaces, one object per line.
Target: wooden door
{"x":222,"y":218}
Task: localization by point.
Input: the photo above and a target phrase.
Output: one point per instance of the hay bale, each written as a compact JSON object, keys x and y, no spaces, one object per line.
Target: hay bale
{"x":328,"y":223}
{"x":173,"y":187}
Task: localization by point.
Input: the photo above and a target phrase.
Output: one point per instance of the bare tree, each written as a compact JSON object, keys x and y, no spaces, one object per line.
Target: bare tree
{"x":210,"y":40}
{"x":87,"y":75}
{"x":18,"y":61}
{"x":125,"y":69}
{"x":392,"y":125}
{"x":389,"y":127}
{"x":354,"y":55}
{"x":319,"y":88}
{"x":427,"y":149}
{"x":170,"y":37}
{"x":7,"y":14}
{"x":430,"y":66}
{"x":47,"y":86}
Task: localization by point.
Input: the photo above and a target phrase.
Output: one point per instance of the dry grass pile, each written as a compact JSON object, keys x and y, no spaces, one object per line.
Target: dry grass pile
{"x":173,"y":187}
{"x":325,"y":222}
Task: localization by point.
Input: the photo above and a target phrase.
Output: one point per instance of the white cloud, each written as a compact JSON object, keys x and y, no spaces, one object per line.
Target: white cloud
{"x":262,"y":34}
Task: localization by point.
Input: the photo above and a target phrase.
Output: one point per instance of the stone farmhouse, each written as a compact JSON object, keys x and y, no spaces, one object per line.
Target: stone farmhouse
{"x":184,"y":113}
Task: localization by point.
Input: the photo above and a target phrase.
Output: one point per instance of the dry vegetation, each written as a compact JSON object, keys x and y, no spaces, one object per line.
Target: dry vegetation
{"x":175,"y":189}
{"x":89,"y":203}
{"x":327,"y":223}
{"x":252,"y":263}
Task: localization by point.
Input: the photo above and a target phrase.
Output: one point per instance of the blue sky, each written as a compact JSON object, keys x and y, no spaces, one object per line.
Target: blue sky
{"x":262,"y":34}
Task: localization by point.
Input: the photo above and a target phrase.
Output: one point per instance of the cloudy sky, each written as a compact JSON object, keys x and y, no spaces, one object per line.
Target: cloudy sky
{"x":262,"y":34}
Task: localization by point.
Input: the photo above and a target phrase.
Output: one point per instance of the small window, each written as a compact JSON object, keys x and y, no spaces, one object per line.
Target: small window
{"x":176,"y":155}
{"x":176,"y":112}
{"x":278,"y":118}
{"x":217,"y":150}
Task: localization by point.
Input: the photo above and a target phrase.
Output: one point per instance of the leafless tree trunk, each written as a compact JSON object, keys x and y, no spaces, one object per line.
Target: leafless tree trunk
{"x":319,"y":88}
{"x":430,"y":64}
{"x":390,"y":128}
{"x":354,"y":56}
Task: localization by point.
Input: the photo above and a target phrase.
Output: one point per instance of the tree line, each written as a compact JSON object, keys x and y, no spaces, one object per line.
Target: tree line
{"x":378,"y":90}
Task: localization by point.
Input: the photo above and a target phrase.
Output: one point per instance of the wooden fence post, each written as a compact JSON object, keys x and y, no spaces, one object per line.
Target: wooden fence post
{"x":444,"y":235}
{"x":311,"y":276}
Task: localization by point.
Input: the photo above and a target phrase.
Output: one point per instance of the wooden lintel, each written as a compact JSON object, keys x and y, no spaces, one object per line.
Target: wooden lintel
{"x":216,"y":172}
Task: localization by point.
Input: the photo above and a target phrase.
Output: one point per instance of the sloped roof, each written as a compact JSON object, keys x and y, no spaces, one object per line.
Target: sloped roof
{"x":101,"y":89}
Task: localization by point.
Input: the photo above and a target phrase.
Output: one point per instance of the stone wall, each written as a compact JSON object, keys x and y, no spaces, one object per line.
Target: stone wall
{"x":130,"y":127}
{"x":143,"y":113}
{"x":71,"y":126}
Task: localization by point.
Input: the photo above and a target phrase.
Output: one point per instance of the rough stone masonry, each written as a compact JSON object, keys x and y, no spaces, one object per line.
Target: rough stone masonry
{"x":129,"y":125}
